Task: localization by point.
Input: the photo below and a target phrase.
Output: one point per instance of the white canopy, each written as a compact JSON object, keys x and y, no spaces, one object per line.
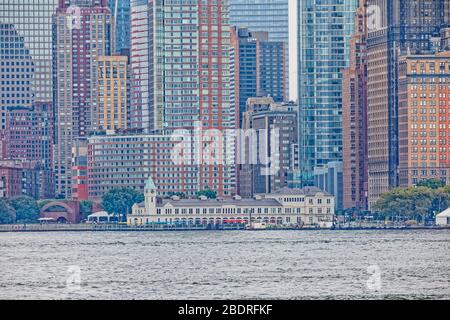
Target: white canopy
{"x":445,"y":213}
{"x":100,"y":214}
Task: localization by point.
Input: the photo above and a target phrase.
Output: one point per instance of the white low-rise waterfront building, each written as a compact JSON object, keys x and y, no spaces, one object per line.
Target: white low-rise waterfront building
{"x":307,"y":207}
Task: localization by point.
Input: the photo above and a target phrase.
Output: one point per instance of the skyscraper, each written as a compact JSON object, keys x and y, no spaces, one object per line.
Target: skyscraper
{"x":262,"y":15}
{"x":112,"y":102}
{"x":262,"y":66}
{"x":33,"y":22}
{"x":354,"y":116}
{"x":423,"y":118}
{"x":270,"y":16}
{"x":82,"y":33}
{"x":324,"y":31}
{"x":396,"y":28}
{"x":26,"y":68}
{"x":121,"y":11}
{"x":249,"y":67}
{"x":180,"y":61}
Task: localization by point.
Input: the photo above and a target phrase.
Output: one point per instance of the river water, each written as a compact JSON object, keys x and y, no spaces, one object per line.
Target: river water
{"x":226,"y":265}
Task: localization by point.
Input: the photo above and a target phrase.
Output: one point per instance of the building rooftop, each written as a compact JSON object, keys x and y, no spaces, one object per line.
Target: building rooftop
{"x":215,"y":203}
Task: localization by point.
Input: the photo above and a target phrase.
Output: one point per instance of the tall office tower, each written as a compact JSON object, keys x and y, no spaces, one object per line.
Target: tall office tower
{"x":82,"y":33}
{"x":354,"y":117}
{"x":271,"y":16}
{"x":16,"y":72}
{"x":33,"y":22}
{"x":249,"y":67}
{"x":423,"y":118}
{"x":272,"y":68}
{"x":181,"y":74}
{"x":396,"y":27}
{"x":269,"y":147}
{"x":324,"y":31}
{"x":121,"y":11}
{"x":32,"y":25}
{"x":112,"y":99}
{"x":146,"y":109}
{"x":261,"y":66}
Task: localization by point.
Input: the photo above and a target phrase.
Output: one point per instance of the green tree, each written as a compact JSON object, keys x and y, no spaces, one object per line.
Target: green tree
{"x":27,"y":209}
{"x":86,"y":208}
{"x":210,"y":194}
{"x":7,"y":213}
{"x":406,"y":203}
{"x":119,"y":201}
{"x":181,"y":195}
{"x":431,"y":183}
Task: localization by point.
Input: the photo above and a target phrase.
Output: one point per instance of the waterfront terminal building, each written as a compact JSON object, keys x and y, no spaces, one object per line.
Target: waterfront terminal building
{"x":306,"y":207}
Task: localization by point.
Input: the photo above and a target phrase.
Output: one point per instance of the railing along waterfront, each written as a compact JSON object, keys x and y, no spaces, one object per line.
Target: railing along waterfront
{"x":111,"y":227}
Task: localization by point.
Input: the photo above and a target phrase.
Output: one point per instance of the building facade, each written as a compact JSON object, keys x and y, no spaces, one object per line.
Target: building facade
{"x":354,"y":117}
{"x":121,"y":12}
{"x":267,"y":146}
{"x":77,"y":48}
{"x":330,"y":179}
{"x":287,"y":207}
{"x":25,"y":16}
{"x":273,"y":69}
{"x":25,"y":178}
{"x":402,"y":27}
{"x":112,"y":94}
{"x":423,"y":119}
{"x":118,"y":161}
{"x":249,"y":67}
{"x":271,"y":16}
{"x":25,"y":122}
{"x":324,"y":32}
{"x":181,"y":79}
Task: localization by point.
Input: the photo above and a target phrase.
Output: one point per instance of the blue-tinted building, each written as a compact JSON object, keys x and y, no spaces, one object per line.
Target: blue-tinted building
{"x":248,"y":67}
{"x":324,"y":31}
{"x":262,"y":15}
{"x":121,"y":12}
{"x":270,"y":16}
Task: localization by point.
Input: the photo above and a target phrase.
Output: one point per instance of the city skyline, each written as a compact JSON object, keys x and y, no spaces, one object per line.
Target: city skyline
{"x":143,"y":68}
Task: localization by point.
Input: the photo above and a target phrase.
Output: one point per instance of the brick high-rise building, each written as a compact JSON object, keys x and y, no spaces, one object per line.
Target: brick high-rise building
{"x":82,"y":33}
{"x":180,"y":62}
{"x":128,"y":161}
{"x":396,"y":28}
{"x":423,"y":118}
{"x":354,"y":117}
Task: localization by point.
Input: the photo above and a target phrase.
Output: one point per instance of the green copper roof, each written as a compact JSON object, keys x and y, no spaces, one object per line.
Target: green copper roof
{"x":150,"y":185}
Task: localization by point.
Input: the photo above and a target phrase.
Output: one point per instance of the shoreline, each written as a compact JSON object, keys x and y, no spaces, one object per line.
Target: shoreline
{"x":113,"y":228}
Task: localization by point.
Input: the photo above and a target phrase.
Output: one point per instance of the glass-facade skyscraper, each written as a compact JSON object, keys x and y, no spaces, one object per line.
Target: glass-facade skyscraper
{"x":262,"y":15}
{"x":121,"y":11}
{"x":270,"y":16}
{"x":324,"y":31}
{"x":25,"y":16}
{"x":26,"y":89}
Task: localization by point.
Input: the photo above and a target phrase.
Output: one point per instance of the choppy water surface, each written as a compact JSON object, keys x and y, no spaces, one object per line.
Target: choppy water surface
{"x":226,"y":265}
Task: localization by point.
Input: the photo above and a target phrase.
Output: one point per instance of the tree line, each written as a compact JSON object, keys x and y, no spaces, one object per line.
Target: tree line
{"x":117,"y":202}
{"x":420,"y":202}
